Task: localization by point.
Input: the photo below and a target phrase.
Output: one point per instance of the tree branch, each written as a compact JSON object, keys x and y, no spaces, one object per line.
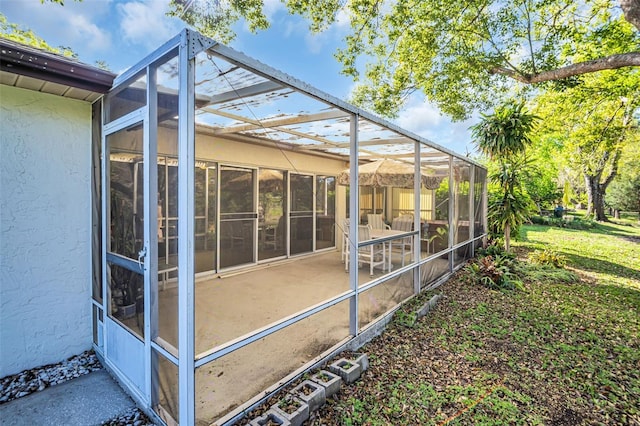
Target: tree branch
{"x":631,"y":59}
{"x":614,"y":169}
{"x":529,"y":38}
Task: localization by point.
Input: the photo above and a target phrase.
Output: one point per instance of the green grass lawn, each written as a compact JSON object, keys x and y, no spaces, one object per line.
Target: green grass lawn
{"x":565,"y":351}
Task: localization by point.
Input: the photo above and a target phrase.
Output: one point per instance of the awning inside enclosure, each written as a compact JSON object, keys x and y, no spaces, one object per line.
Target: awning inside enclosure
{"x":389,"y":172}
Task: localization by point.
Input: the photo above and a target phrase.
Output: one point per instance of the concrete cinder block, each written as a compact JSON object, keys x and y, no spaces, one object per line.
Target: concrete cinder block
{"x":429,"y":306}
{"x":362,"y":359}
{"x":311,"y":393}
{"x":331,"y":382}
{"x":348,"y":370}
{"x":269,"y":416}
{"x":296,"y":416}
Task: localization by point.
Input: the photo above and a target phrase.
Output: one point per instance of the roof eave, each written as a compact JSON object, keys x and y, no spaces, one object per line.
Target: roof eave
{"x":24,"y":60}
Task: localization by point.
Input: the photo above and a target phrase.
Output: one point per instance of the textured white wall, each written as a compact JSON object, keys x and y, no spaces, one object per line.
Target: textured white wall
{"x":45,"y":165}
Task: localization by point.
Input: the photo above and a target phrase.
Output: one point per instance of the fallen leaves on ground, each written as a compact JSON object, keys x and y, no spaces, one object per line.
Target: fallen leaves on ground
{"x":558,"y":353}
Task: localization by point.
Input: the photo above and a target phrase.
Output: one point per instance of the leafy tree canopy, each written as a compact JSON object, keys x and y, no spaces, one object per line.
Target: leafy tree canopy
{"x":624,"y":192}
{"x":18,"y":34}
{"x":461,"y":55}
{"x":594,"y":121}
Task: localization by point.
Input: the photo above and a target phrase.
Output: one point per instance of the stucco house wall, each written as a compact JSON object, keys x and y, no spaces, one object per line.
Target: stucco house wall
{"x":45,"y":276}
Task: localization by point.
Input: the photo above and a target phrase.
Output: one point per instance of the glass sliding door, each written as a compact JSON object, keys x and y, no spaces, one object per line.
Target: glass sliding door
{"x":205,"y":223}
{"x":301,"y":214}
{"x":325,"y":211}
{"x":206,"y":177}
{"x":238,"y":216}
{"x":372,"y":201}
{"x":168,"y":211}
{"x":272,"y":202}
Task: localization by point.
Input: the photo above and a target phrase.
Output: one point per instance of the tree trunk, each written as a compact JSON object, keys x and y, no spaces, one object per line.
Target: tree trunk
{"x":589,"y":189}
{"x":595,"y":194}
{"x":631,"y":10}
{"x":507,"y":237}
{"x":598,"y":202}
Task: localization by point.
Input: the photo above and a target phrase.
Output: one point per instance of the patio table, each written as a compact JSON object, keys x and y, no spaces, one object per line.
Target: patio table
{"x":389,"y":235}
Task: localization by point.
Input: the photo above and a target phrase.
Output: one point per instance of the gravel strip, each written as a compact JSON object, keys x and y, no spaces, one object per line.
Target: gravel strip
{"x":131,"y":417}
{"x":37,"y":379}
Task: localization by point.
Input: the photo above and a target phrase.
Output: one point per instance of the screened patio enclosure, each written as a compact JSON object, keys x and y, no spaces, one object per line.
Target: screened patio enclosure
{"x":231,"y":257}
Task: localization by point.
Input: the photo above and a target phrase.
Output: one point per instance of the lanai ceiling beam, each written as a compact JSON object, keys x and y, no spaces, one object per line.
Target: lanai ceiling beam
{"x":284,"y":121}
{"x":258,"y":125}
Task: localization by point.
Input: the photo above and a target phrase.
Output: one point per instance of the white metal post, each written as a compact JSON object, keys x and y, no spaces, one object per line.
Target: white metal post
{"x":314,"y":189}
{"x":453,"y":222}
{"x":151,"y":230}
{"x":287,"y":214}
{"x":417,"y":184}
{"x":354,"y":221}
{"x":485,"y":206}
{"x":472,"y":208}
{"x":186,"y":212}
{"x":106,"y":213}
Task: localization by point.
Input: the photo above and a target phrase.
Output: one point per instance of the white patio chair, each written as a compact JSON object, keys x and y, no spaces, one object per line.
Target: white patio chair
{"x":375,"y":222}
{"x":273,"y":235}
{"x":373,"y":255}
{"x":345,"y":240}
{"x":405,"y":244}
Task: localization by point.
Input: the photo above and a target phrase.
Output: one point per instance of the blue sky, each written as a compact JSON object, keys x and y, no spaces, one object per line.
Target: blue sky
{"x":121,"y":32}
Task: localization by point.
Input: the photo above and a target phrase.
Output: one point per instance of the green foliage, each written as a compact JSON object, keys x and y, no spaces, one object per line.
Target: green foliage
{"x":571,"y":222}
{"x":462,"y":56}
{"x":540,"y":181}
{"x":566,"y":194}
{"x":407,"y":319}
{"x":215,"y":18}
{"x":495,"y":250}
{"x":594,"y":121}
{"x":495,"y":273}
{"x":545,"y":274}
{"x":508,"y":207}
{"x":624,"y":194}
{"x":503,"y":137}
{"x":506,"y":132}
{"x":624,"y":191}
{"x":547,"y":257}
{"x":510,"y":358}
{"x":18,"y":34}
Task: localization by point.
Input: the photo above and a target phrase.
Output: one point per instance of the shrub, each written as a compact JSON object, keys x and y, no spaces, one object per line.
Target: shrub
{"x":407,"y":319}
{"x":571,"y":222}
{"x":542,"y":274}
{"x":495,"y":249}
{"x":494,"y":272}
{"x":547,"y":257}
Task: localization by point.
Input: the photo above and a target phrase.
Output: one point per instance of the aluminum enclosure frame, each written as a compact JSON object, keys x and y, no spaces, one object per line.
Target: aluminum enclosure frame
{"x":188,"y":45}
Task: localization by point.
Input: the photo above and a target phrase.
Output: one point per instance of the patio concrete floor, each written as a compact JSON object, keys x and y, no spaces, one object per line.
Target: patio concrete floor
{"x":233,"y":304}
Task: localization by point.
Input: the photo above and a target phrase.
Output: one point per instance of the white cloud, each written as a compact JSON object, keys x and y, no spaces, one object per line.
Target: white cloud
{"x":145,"y":23}
{"x":419,"y":117}
{"x":293,"y":27}
{"x":271,"y":7}
{"x":72,"y":25}
{"x":314,"y":42}
{"x":82,"y":30}
{"x":343,"y":19}
{"x":426,"y":120}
